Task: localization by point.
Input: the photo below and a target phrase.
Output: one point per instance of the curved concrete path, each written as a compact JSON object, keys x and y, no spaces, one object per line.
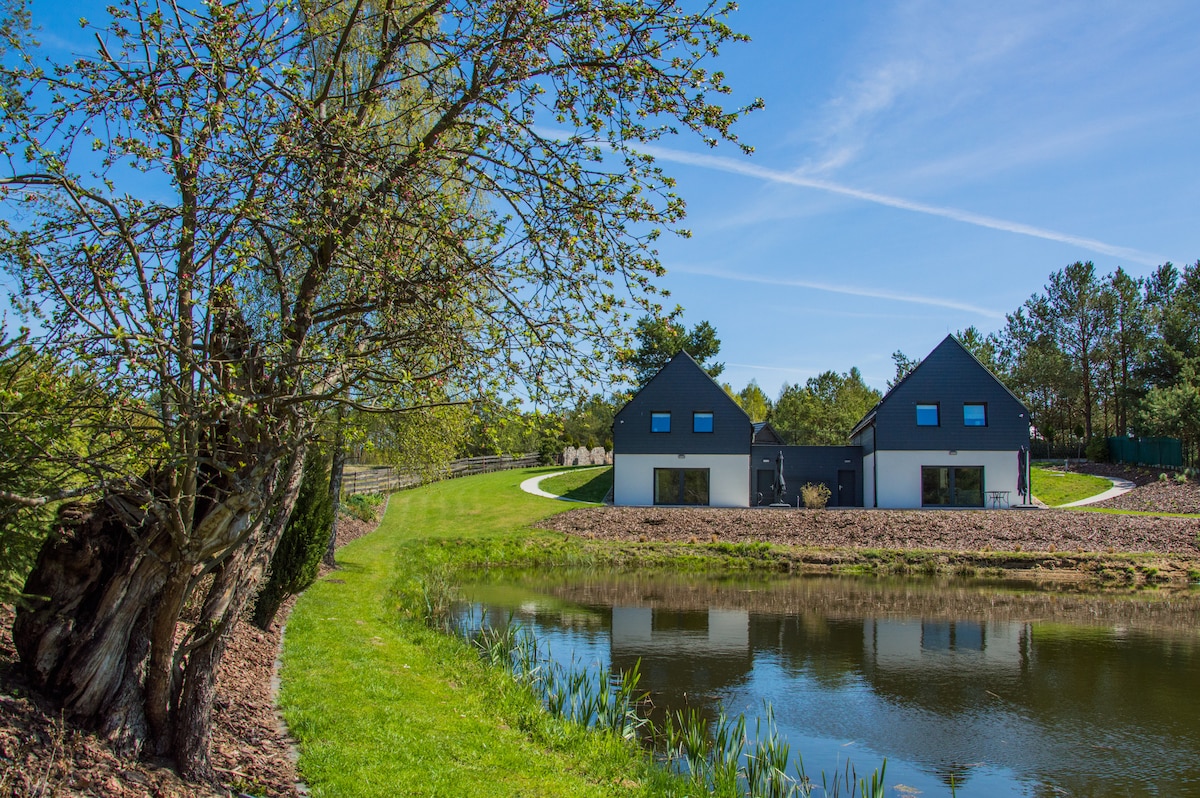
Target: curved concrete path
{"x":532,"y":485}
{"x":1119,"y":486}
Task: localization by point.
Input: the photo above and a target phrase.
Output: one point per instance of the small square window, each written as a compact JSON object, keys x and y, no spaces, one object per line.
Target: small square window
{"x":927,"y":416}
{"x":702,"y":422}
{"x":975,"y":415}
{"x":660,"y":422}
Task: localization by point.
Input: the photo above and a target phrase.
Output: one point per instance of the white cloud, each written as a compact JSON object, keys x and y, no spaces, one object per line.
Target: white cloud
{"x":741,"y":167}
{"x":870,"y":293}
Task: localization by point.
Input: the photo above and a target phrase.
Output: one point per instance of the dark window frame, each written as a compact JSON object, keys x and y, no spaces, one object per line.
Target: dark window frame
{"x":697,"y":415}
{"x":681,"y":489}
{"x":952,"y":490}
{"x":657,"y":415}
{"x":937,"y":410}
{"x":983,"y":405}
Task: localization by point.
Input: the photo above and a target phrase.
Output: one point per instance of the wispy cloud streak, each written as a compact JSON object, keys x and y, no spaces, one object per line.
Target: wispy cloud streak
{"x":869,"y":293}
{"x":735,"y":166}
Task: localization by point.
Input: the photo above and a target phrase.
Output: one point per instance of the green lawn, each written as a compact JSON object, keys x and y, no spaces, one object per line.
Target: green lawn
{"x":1057,"y":488}
{"x":586,"y":484}
{"x":382,"y":706}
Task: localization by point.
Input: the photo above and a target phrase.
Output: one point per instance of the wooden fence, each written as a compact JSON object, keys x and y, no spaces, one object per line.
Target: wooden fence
{"x":384,"y":479}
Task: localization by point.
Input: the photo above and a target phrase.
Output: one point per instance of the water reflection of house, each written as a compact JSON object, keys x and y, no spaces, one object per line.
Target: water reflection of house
{"x":683,"y":652}
{"x":948,"y":664}
{"x":911,"y":642}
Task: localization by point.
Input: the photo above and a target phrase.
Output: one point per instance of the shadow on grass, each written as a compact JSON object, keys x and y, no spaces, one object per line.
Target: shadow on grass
{"x":593,"y":490}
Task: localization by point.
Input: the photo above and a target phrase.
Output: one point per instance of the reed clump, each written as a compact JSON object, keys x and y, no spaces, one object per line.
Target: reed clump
{"x":717,"y":759}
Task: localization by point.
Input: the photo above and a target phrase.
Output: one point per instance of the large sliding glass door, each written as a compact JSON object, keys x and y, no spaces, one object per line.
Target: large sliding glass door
{"x":681,"y":486}
{"x":948,"y":486}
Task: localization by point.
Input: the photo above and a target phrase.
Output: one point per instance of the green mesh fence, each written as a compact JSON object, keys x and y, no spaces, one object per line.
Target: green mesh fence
{"x":1164,"y":452}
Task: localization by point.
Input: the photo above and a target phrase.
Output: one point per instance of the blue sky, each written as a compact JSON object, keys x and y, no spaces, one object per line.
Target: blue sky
{"x":922,"y":167}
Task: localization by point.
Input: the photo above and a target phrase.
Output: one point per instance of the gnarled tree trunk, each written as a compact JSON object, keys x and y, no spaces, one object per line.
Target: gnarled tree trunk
{"x":105,"y":636}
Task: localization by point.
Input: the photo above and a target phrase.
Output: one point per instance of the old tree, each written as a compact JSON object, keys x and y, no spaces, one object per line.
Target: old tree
{"x":237,"y":216}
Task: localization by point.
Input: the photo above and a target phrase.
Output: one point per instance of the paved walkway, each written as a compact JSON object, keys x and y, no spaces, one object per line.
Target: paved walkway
{"x":533,"y":485}
{"x":1119,"y":486}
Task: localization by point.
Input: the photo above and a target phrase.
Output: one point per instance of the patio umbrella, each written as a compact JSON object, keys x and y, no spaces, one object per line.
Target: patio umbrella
{"x":1022,"y":481}
{"x":780,"y":485}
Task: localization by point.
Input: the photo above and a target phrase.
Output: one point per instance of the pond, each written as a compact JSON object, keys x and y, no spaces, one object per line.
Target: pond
{"x":997,"y":688}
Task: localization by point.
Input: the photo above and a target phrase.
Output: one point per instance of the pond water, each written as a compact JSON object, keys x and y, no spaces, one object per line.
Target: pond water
{"x":1000,"y":689}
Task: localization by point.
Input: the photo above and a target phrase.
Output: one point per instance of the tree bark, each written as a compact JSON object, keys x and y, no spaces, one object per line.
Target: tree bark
{"x":335,"y":489}
{"x":235,"y":583}
{"x":102,"y":637}
{"x":86,"y":638}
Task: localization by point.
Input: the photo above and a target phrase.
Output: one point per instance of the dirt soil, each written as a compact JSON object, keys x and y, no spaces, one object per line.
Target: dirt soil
{"x":1089,"y":544}
{"x":944,"y":530}
{"x":42,"y":755}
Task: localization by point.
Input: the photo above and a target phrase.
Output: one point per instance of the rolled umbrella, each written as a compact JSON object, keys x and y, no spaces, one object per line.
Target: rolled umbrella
{"x":1022,"y":480}
{"x":780,"y":485}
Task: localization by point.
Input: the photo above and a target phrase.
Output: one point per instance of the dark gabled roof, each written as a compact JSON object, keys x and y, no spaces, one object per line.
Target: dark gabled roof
{"x":866,"y":420}
{"x":681,"y":354}
{"x":765,"y":433}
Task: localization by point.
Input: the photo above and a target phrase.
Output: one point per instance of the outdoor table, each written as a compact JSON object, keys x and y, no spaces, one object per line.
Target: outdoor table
{"x":998,"y":496}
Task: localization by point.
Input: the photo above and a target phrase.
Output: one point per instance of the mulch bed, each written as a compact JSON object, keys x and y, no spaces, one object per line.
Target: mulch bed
{"x":940,"y":530}
{"x":41,"y":755}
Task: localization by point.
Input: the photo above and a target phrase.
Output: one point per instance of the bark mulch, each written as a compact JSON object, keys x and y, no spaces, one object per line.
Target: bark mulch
{"x":44,"y":755}
{"x":939,"y":530}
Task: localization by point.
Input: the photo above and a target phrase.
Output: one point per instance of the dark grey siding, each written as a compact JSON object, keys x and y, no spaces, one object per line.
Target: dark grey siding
{"x":950,"y":377}
{"x":765,"y":433}
{"x":681,"y":388}
{"x":865,"y":437}
{"x":803,"y":464}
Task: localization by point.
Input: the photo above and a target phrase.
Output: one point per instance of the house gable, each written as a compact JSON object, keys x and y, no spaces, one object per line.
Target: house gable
{"x":764,"y":433}
{"x":950,"y":402}
{"x":681,"y":389}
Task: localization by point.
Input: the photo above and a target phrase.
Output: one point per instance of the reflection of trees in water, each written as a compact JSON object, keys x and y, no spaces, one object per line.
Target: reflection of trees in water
{"x":961,"y":673}
{"x":849,"y":597}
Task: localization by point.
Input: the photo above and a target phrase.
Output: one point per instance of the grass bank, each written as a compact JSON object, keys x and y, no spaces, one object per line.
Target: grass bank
{"x":382,"y":706}
{"x":1057,"y":488}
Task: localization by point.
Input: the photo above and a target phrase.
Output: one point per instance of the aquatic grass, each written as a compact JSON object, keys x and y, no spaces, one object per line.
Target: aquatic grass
{"x":718,"y":759}
{"x":1119,"y":511}
{"x":594,"y":698}
{"x":722,"y":760}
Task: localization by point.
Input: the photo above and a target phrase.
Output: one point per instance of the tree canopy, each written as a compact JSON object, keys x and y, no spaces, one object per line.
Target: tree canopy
{"x":242,"y":214}
{"x":824,"y":410}
{"x":660,"y":339}
{"x":754,"y":401}
{"x":1105,"y":355}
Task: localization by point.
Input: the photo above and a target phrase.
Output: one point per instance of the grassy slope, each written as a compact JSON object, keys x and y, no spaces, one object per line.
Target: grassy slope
{"x":587,"y":484}
{"x":1056,"y":488}
{"x":382,"y":706}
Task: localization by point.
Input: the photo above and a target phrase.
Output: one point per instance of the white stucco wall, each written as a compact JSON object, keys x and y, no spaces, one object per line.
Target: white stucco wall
{"x":898,"y":474}
{"x":728,"y":477}
{"x":869,"y":480}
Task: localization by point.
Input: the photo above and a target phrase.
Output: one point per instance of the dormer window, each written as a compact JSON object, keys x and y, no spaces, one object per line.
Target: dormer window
{"x":927,"y":416}
{"x":975,"y":414}
{"x":702,"y":422}
{"x":660,"y":422}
